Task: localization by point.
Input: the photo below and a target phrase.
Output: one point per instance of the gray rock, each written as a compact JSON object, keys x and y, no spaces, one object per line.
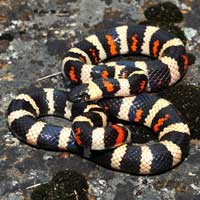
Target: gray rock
{"x":42,"y":31}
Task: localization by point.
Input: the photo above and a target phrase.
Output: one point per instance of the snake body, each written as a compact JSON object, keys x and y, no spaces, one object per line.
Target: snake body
{"x":119,"y":86}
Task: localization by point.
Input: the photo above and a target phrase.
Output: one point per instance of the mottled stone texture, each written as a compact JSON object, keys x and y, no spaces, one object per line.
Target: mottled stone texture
{"x":34,"y":36}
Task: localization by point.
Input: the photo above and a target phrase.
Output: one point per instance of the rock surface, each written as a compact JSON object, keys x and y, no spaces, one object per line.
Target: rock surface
{"x":34,"y":36}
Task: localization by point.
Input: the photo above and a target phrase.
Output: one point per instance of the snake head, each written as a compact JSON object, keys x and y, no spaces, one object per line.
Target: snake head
{"x":79,"y":93}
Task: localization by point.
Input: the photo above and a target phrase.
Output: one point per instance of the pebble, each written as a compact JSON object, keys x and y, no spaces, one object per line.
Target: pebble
{"x":15,"y":196}
{"x":190,"y":33}
{"x":185,"y":7}
{"x":4,"y":44}
{"x":5,"y":14}
{"x":3,"y":64}
{"x":47,"y":156}
{"x":11,"y":142}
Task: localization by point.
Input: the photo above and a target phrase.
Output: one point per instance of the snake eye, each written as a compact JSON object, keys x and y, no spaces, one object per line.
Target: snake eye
{"x":79,"y":94}
{"x":86,"y":96}
{"x":82,"y":96}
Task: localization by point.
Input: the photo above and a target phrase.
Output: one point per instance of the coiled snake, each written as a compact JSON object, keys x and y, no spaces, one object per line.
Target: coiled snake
{"x":123,"y":89}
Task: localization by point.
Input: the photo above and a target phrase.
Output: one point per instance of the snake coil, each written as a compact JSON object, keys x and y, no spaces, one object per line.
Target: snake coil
{"x":122,"y":88}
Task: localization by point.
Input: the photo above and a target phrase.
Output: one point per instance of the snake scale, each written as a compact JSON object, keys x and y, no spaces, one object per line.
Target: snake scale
{"x":118,"y":88}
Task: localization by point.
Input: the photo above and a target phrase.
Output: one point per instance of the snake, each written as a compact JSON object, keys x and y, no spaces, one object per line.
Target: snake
{"x":124,"y":89}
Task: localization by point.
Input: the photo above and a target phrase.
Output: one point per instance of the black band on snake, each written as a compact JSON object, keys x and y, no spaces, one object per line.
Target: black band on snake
{"x":121,"y":87}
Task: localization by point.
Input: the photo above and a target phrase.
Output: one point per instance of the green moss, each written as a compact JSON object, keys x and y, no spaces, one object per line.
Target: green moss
{"x":65,"y":185}
{"x":41,"y":192}
{"x":166,"y":11}
{"x":186,"y":100}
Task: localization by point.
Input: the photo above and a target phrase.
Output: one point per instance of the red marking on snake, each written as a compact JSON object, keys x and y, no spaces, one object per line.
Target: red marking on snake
{"x":108,"y":85}
{"x":82,"y":59}
{"x":138,"y":115}
{"x":111,"y":43}
{"x":159,"y":81}
{"x":72,"y":74}
{"x":77,"y":135}
{"x":106,"y":108}
{"x":104,"y":74}
{"x":121,"y":134}
{"x":142,"y":85}
{"x":160,"y":122}
{"x":134,"y":43}
{"x":186,"y":62}
{"x":93,"y":52}
{"x":155,"y":47}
